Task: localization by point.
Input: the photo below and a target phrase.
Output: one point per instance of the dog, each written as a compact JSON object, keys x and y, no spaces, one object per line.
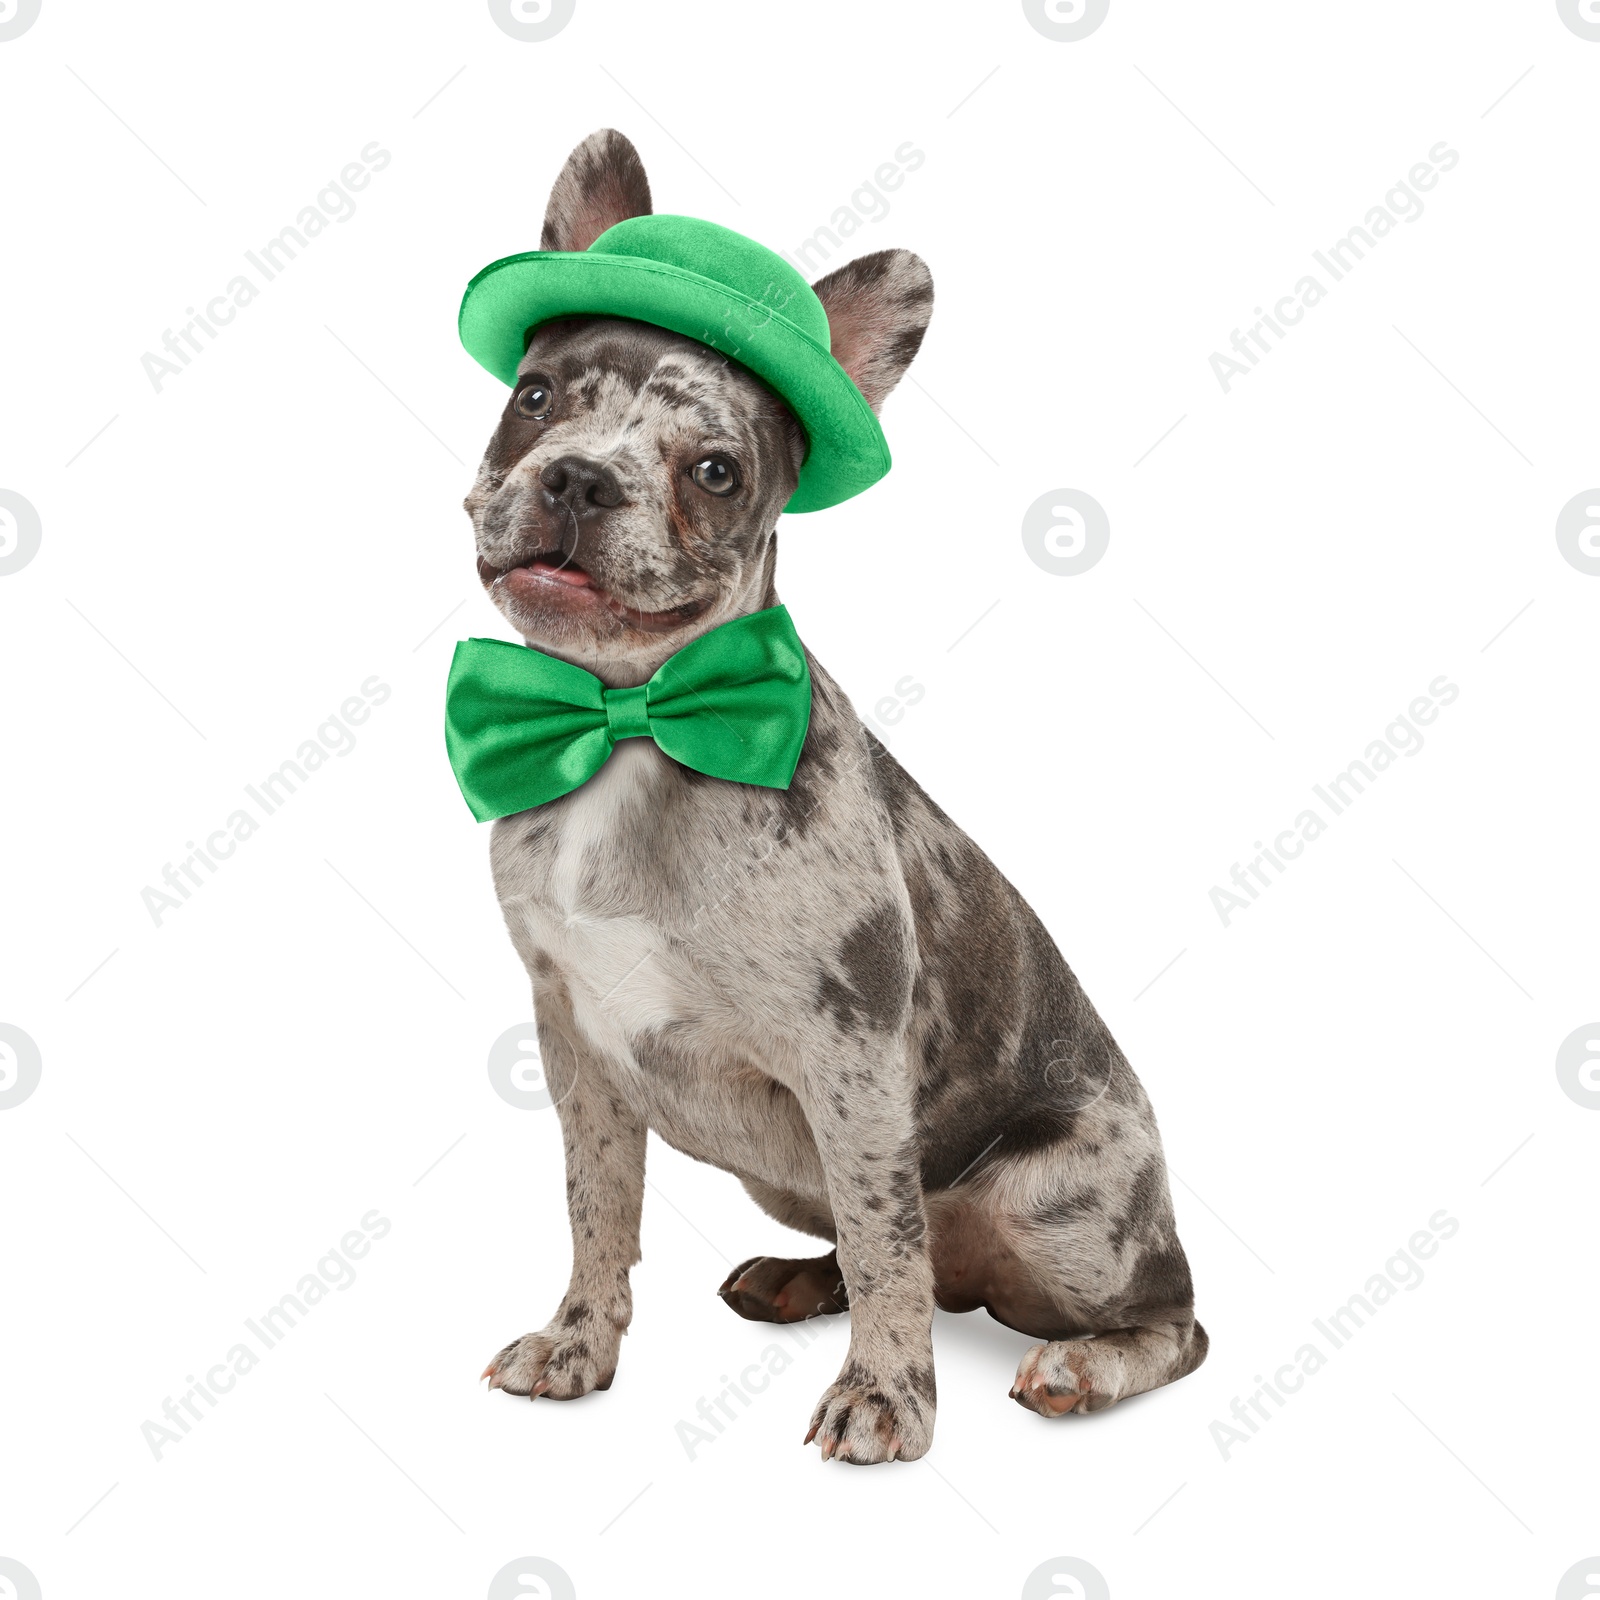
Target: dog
{"x":828,"y":991}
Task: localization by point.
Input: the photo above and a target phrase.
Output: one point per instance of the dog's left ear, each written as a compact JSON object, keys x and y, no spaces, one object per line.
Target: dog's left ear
{"x":878,"y":310}
{"x":603,"y":183}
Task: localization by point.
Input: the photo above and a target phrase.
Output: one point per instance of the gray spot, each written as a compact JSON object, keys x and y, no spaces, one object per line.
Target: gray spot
{"x":871,"y":987}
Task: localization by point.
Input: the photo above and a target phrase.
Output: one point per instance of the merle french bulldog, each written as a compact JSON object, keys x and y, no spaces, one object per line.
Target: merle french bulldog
{"x":828,"y":991}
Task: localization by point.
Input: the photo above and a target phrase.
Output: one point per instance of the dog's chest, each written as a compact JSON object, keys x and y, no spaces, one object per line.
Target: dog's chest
{"x":591,"y":892}
{"x":598,"y":851}
{"x":600,"y":896}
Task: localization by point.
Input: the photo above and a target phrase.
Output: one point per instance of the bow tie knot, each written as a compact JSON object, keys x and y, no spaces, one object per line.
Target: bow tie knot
{"x":523,"y":728}
{"x":627,"y":712}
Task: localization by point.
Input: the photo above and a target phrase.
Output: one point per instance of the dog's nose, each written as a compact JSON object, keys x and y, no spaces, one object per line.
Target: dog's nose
{"x":576,"y":481}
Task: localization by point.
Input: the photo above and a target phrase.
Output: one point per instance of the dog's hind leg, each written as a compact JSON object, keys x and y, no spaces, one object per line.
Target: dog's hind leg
{"x":773,"y":1289}
{"x":1119,"y":1317}
{"x":1093,"y":1265}
{"x":1090,"y":1374}
{"x":770,"y":1289}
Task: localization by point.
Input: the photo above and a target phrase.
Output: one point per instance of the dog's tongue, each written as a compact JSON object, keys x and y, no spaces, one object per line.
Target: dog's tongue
{"x":579,"y":580}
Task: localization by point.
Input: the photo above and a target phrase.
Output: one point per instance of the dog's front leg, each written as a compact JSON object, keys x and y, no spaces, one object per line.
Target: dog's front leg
{"x":881,"y":1406}
{"x":605,"y":1143}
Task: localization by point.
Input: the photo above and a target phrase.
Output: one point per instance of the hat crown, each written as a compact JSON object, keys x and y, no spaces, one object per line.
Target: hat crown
{"x":708,"y":284}
{"x":728,"y":258}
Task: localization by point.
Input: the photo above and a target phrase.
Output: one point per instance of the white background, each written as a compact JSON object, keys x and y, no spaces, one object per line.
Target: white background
{"x":305,"y":1039}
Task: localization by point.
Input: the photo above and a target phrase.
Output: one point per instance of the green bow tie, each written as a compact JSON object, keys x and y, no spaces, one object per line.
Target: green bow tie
{"x":523,"y":728}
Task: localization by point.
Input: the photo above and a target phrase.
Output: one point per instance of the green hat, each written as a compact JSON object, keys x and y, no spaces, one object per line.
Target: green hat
{"x":710,"y":284}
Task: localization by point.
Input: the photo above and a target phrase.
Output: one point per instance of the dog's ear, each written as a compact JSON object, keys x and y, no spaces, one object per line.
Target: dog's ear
{"x":602,"y":183}
{"x":878,"y":310}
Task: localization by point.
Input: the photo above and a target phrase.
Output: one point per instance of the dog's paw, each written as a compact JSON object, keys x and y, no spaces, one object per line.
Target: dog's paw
{"x":561,"y":1365}
{"x":768,"y":1289}
{"x":1069,"y":1375}
{"x":865,"y":1418}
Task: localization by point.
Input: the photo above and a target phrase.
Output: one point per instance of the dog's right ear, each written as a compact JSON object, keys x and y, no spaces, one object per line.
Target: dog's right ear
{"x":602,"y":183}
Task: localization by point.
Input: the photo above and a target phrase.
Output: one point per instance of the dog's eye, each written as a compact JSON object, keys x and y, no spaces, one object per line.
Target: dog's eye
{"x":534,"y":400}
{"x":715,"y":475}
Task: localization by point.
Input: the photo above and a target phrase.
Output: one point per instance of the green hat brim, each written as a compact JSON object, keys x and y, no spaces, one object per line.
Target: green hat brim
{"x":846,"y":452}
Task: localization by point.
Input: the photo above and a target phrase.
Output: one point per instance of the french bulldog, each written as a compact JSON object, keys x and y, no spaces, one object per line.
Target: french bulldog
{"x":828,"y":991}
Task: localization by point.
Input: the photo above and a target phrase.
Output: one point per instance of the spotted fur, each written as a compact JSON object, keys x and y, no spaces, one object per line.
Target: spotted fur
{"x":828,"y":991}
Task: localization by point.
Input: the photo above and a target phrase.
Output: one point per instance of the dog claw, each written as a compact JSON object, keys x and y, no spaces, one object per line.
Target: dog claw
{"x":812,"y":1435}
